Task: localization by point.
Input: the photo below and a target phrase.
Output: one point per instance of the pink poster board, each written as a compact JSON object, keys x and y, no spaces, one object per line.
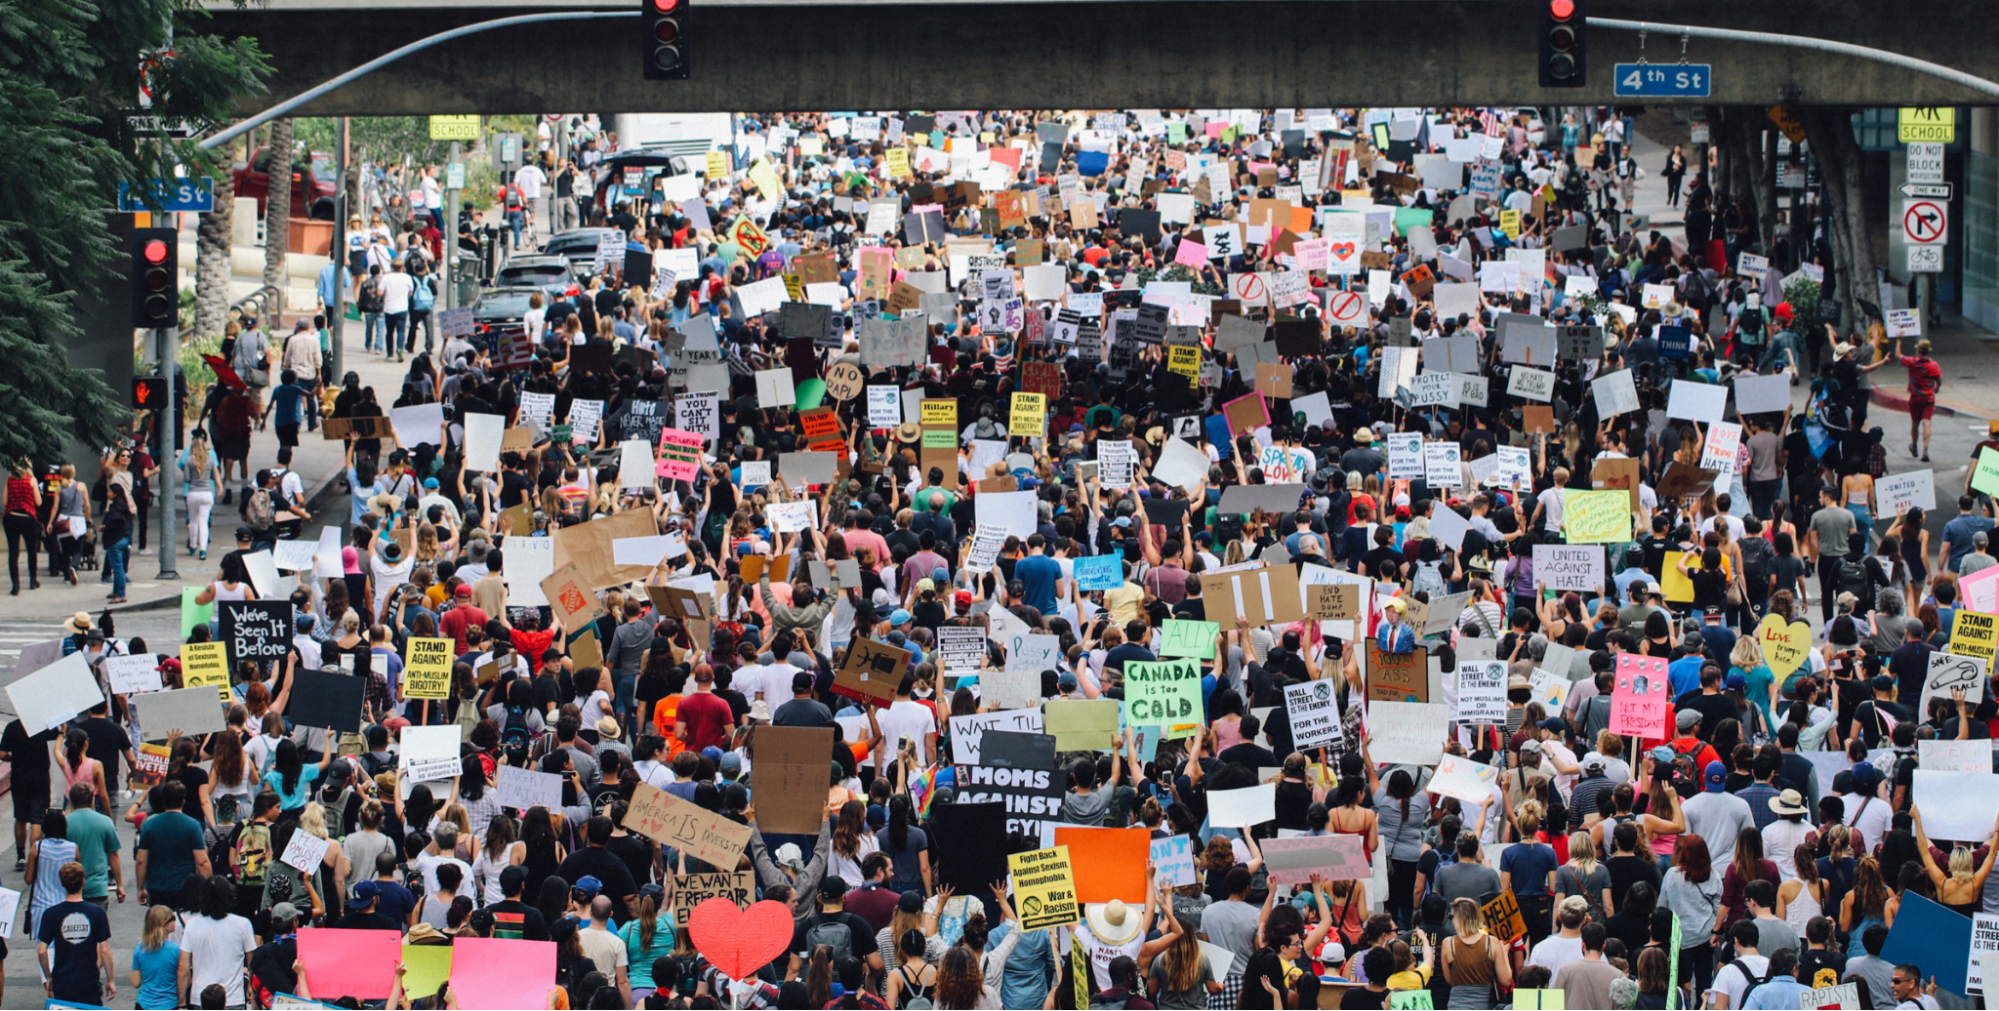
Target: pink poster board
{"x":495,"y":974}
{"x":350,"y":963}
{"x":1641,"y":701}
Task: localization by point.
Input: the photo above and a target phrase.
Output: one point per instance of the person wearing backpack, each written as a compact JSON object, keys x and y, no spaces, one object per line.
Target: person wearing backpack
{"x":912,"y":983}
{"x":846,"y":933}
{"x":371,"y":300}
{"x":250,"y":855}
{"x":1749,"y":971}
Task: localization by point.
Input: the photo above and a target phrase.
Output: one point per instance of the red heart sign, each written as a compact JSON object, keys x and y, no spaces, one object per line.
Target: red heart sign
{"x":1342,"y":249}
{"x":737,"y":941}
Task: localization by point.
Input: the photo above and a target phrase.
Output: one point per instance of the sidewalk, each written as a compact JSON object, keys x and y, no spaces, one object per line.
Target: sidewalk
{"x":319,"y":463}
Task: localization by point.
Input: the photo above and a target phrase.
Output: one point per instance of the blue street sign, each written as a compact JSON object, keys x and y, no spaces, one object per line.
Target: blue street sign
{"x":1663,"y":80}
{"x":173,"y":195}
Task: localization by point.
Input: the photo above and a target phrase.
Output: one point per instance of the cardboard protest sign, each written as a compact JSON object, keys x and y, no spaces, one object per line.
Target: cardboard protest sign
{"x":1258,"y":597}
{"x":1503,"y":919}
{"x":130,"y":675}
{"x":1397,"y":677}
{"x":691,"y":890}
{"x":791,"y":778}
{"x":1250,"y":805}
{"x":968,"y":732}
{"x":1188,"y":638}
{"x":871,"y":672}
{"x":1569,"y":567}
{"x":1044,"y":888}
{"x":1641,"y":698}
{"x":1173,"y":860}
{"x":588,"y":546}
{"x":1109,"y":863}
{"x":689,"y":827}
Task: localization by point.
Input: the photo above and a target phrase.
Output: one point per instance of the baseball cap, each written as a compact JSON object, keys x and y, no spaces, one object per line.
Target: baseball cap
{"x":365,"y":892}
{"x":1736,"y":682}
{"x":513,"y":878}
{"x":1067,"y":681}
{"x":1865,"y":777}
{"x":1530,"y":747}
{"x":1555,"y":724}
{"x":285,"y":912}
{"x":1717,"y":776}
{"x":462,"y":591}
{"x":1882,"y":683}
{"x":1662,"y":753}
{"x":589,"y":885}
{"x":964,"y":597}
{"x":801,"y":682}
{"x":245,"y":534}
{"x":1596,"y":763}
{"x":1122,"y":521}
{"x":731,"y":763}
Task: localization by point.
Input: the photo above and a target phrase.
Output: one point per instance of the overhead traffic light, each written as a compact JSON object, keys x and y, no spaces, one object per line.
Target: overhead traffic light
{"x":148,"y":392}
{"x":665,"y":43}
{"x":155,"y":297}
{"x":1562,"y":64}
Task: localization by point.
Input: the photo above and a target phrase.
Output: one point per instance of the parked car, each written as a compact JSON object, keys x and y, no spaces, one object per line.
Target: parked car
{"x":579,"y":246}
{"x":312,"y":183}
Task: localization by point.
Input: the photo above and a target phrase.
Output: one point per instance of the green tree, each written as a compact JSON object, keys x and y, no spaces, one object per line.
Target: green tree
{"x":71,"y":72}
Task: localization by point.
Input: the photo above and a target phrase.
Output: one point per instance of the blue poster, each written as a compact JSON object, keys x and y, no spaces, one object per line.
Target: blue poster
{"x":1930,"y":936}
{"x":1100,"y":572}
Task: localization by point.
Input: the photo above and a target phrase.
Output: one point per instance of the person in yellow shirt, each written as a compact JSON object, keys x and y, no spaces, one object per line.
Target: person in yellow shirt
{"x":1125,"y":602}
{"x":1409,"y":975}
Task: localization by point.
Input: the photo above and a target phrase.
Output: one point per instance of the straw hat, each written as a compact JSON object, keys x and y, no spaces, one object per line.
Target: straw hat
{"x":78,"y":623}
{"x":1112,"y":922}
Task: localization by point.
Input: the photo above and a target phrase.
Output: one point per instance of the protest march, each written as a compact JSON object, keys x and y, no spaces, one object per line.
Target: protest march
{"x":1199,"y":558}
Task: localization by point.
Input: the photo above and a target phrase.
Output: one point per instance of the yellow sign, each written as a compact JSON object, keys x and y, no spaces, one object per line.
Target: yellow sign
{"x":897,"y":161}
{"x":427,"y":669}
{"x":750,"y":237}
{"x":794,"y":287}
{"x":767,"y":182}
{"x":205,"y":663}
{"x":1787,"y":121}
{"x":1596,"y":517}
{"x":1044,"y":888}
{"x":718,"y":165}
{"x":1679,"y":589}
{"x":940,"y":412}
{"x":1974,"y":634}
{"x":1185,"y":360}
{"x":1927,"y":123}
{"x":1030,"y":415}
{"x":1509,"y":222}
{"x":454,"y":128}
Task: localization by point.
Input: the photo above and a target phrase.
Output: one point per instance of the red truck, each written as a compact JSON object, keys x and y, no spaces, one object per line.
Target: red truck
{"x":312,"y":183}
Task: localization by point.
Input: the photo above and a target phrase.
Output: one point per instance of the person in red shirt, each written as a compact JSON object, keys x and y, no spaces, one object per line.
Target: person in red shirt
{"x":531,"y":641}
{"x":463,"y":615}
{"x":1925,"y":378}
{"x":704,"y":719}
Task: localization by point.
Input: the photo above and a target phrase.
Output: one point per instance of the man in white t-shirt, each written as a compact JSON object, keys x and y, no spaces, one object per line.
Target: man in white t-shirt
{"x":531,"y":179}
{"x":1731,"y":982}
{"x":397,"y":287}
{"x":1565,"y":945}
{"x":433,"y":196}
{"x":213,"y":951}
{"x":906,"y":719}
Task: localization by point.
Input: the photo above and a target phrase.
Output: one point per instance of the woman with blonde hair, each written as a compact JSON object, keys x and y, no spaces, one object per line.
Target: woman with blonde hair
{"x":1760,"y":688}
{"x":426,"y":544}
{"x":156,"y":961}
{"x":1586,"y":876}
{"x":1473,"y":960}
{"x":1961,"y":889}
{"x":197,"y":475}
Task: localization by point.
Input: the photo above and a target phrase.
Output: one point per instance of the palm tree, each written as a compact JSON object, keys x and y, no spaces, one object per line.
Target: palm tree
{"x":277,"y":212}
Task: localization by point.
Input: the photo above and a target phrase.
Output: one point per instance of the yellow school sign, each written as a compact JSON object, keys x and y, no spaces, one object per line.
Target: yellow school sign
{"x":1929,"y":123}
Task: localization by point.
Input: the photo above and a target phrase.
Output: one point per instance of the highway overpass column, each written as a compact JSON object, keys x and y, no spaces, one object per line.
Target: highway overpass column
{"x":336,"y":312}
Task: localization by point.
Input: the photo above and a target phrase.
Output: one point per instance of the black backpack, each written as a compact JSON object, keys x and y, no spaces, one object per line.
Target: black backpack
{"x":516,"y":739}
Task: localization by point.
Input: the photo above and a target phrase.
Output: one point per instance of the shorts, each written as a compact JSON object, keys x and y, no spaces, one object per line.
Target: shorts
{"x":288,"y":436}
{"x":30,"y":805}
{"x":1921,"y":410}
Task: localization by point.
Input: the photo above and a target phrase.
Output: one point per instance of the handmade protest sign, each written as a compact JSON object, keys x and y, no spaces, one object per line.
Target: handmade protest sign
{"x":872,"y":672}
{"x":202,"y":665}
{"x":256,"y":630}
{"x":1397,"y":677}
{"x":968,"y":732}
{"x":1567,"y":567}
{"x":192,"y":711}
{"x":1173,"y":860}
{"x":63,"y":690}
{"x":132,"y":674}
{"x":1108,"y":863}
{"x":493,"y":974}
{"x":1407,"y":732}
{"x":1099,"y":572}
{"x":1503,"y":919}
{"x":525,"y":788}
{"x":1974,"y":634}
{"x":1296,"y":860}
{"x":350,"y":963}
{"x":1641,"y":698}
{"x":1481,"y":691}
{"x":1596,"y":517}
{"x":687,"y":826}
{"x":1950,"y":672}
{"x":1188,"y":638}
{"x":1164,"y":693}
{"x":1082,"y":724}
{"x":429,"y":753}
{"x":791,"y":777}
{"x":1315,"y":713}
{"x":1786,"y":646}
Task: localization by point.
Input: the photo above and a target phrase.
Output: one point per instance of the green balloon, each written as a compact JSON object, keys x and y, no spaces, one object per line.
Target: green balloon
{"x":810,"y":394}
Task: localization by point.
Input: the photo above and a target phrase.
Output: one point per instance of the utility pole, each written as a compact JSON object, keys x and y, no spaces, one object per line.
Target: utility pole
{"x":454,"y":178}
{"x":336,"y":311}
{"x":166,"y":421}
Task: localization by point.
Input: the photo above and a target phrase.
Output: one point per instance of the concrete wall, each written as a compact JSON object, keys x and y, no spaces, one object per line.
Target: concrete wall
{"x":1052,"y":55}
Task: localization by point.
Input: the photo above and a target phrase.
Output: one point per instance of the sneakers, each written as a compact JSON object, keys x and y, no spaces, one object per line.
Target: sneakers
{"x":1912,"y":447}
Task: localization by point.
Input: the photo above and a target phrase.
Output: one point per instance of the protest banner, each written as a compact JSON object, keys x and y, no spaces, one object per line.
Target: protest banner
{"x":1315,"y":714}
{"x":1566,"y":567}
{"x":1163,"y":693}
{"x":1397,"y":677}
{"x":1481,"y":691}
{"x":687,"y":826}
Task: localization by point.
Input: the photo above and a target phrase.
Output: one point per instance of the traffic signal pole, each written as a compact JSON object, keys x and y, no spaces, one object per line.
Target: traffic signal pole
{"x":167,"y":421}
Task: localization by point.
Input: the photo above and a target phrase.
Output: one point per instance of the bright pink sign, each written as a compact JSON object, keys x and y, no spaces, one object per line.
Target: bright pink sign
{"x":349,"y":963}
{"x":1191,"y":253}
{"x":494,"y":974}
{"x":1641,"y":701}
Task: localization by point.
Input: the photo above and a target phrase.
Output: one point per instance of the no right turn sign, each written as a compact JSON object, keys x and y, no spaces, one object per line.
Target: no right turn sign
{"x":1925,"y":222}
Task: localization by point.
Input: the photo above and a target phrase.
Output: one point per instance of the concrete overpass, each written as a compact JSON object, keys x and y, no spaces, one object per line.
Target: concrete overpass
{"x":765,"y":55}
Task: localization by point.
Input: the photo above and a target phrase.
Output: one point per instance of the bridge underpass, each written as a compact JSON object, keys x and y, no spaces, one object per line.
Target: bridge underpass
{"x":760,"y":55}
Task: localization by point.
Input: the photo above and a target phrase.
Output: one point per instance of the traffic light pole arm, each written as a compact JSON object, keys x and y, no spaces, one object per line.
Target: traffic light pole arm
{"x":1957,"y":77}
{"x":286,"y":106}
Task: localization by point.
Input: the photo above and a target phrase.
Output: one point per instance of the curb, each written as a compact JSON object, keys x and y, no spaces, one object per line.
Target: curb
{"x":172,"y":600}
{"x":1897,"y":401}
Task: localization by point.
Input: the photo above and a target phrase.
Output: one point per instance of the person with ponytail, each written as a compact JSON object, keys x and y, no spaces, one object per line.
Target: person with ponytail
{"x":819,"y":977}
{"x":648,"y":936}
{"x":79,"y":767}
{"x":292,"y":778}
{"x":1402,"y":812}
{"x":907,"y":846}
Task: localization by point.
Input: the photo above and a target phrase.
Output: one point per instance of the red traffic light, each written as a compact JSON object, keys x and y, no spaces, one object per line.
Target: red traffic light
{"x":666,"y":6}
{"x":155,"y":251}
{"x":1562,"y":10}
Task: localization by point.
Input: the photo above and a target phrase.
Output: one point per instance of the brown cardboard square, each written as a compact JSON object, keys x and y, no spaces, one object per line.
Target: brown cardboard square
{"x":1335,"y":602}
{"x":1537,"y":418}
{"x":1396,"y":677}
{"x":570,"y":598}
{"x":872,"y":672}
{"x":1220,"y":590}
{"x":753,"y":568}
{"x":792,"y":784}
{"x":1273,"y":380}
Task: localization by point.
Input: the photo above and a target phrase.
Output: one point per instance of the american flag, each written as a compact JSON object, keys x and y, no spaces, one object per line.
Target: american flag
{"x":1491,"y":122}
